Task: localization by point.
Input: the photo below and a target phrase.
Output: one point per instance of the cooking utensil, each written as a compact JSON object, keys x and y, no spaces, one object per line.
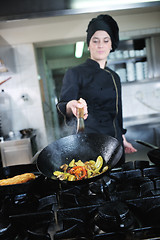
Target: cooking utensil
{"x":26,"y":132}
{"x":147,"y":144}
{"x":154,"y":155}
{"x":80,"y":146}
{"x":80,"y":120}
{"x":11,"y":171}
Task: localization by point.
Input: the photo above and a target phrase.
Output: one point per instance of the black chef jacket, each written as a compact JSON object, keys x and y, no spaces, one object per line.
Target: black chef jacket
{"x":101,"y":88}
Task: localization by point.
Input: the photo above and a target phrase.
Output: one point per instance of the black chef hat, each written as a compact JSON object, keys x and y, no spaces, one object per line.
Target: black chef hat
{"x":105,"y":23}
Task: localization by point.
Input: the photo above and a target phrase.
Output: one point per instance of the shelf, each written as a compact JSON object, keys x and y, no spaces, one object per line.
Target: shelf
{"x":126,"y":60}
{"x":136,"y":61}
{"x":148,"y":80}
{"x":142,"y":119}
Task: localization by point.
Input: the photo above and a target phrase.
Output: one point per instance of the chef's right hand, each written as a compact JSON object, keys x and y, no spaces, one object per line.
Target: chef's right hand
{"x":71,"y":107}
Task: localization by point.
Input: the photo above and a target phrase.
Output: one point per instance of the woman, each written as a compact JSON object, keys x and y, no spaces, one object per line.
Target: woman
{"x":95,"y":87}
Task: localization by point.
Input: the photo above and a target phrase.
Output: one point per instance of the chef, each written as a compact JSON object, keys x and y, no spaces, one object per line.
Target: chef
{"x":95,"y":87}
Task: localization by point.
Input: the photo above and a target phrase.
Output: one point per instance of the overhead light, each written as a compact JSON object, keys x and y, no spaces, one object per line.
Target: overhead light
{"x":79,"y":49}
{"x":97,"y":3}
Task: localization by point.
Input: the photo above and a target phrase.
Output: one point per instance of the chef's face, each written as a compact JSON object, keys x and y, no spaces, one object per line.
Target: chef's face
{"x":100,"y":46}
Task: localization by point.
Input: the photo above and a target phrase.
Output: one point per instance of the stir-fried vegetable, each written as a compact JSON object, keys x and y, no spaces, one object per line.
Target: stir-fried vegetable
{"x":79,"y":170}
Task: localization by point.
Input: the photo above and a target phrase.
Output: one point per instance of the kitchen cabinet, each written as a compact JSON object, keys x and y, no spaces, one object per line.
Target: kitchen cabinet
{"x":15,"y":152}
{"x":137,"y":60}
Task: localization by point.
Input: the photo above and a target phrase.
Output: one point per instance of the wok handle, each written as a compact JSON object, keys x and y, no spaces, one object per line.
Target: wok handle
{"x":80,"y":112}
{"x":147,"y":144}
{"x":80,"y":120}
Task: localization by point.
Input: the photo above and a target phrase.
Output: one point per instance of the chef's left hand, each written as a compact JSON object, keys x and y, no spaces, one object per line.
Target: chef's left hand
{"x":128,"y":146}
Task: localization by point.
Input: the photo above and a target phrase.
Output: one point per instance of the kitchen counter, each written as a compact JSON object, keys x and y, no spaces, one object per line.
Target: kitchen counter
{"x":147,"y":131}
{"x":17,"y":150}
{"x":143,"y":119}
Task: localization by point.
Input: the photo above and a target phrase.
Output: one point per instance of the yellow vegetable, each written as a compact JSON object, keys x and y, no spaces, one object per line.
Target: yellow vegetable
{"x":56,"y":173}
{"x":105,"y":169}
{"x":99,"y":162}
{"x":72,"y":163}
{"x":92,"y":162}
{"x":71,"y":178}
{"x":89,"y":173}
{"x":91,"y":168}
{"x":79,"y":163}
{"x":61,"y":175}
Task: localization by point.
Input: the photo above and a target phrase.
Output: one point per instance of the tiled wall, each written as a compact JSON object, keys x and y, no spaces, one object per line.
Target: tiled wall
{"x":141,"y":99}
{"x":26,"y":112}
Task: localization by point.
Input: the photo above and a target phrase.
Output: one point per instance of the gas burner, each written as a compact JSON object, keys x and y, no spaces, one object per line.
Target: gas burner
{"x":26,"y":217}
{"x":104,"y":188}
{"x":152,"y":172}
{"x":90,"y":194}
{"x":98,"y":186}
{"x":138,"y":164}
{"x":71,"y":197}
{"x":75,"y":229}
{"x":114,"y":216}
{"x":18,"y":204}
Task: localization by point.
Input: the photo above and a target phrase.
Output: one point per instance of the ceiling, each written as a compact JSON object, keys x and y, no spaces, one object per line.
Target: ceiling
{"x":32,"y":9}
{"x":42,"y":11}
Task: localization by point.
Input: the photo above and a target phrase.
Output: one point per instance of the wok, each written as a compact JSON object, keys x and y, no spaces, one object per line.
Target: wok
{"x":82,"y":147}
{"x":154,"y":155}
